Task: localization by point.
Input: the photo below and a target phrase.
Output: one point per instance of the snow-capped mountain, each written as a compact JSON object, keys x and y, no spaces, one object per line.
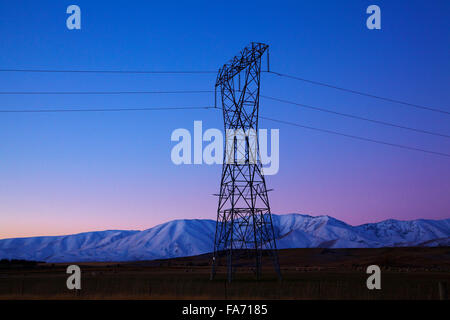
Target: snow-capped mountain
{"x":191,"y":237}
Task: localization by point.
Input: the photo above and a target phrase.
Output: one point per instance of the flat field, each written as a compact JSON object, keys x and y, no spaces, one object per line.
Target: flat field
{"x":407,"y":273}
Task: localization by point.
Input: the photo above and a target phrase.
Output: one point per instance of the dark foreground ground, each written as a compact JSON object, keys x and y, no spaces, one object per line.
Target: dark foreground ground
{"x":407,"y":273}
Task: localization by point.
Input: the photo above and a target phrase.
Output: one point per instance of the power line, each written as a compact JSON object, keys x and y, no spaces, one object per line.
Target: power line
{"x":207,"y":72}
{"x":101,"y":92}
{"x":102,"y":109}
{"x":356,"y":137}
{"x":362,"y":93}
{"x":214,"y":72}
{"x":356,"y":117}
{"x":216,"y":108}
{"x":111,"y":71}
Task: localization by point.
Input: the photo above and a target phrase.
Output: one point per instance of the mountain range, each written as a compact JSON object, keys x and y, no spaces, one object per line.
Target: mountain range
{"x":179,"y":238}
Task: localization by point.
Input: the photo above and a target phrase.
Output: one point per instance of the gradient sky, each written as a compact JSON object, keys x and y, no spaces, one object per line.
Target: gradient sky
{"x":76,"y":172}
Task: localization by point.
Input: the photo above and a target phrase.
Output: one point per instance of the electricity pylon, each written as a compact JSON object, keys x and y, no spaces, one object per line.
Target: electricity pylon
{"x":244,"y":221}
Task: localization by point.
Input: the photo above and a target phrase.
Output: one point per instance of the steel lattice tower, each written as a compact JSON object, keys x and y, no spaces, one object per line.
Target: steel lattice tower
{"x":244,"y":221}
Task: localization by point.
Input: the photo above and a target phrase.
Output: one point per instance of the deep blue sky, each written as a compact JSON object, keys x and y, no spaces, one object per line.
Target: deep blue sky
{"x":62,"y":173}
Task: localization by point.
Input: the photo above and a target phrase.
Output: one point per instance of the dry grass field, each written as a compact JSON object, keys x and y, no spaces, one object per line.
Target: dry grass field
{"x":407,"y":273}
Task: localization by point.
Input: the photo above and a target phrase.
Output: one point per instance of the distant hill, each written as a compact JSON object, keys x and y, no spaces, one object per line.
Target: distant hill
{"x":180,"y":238}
